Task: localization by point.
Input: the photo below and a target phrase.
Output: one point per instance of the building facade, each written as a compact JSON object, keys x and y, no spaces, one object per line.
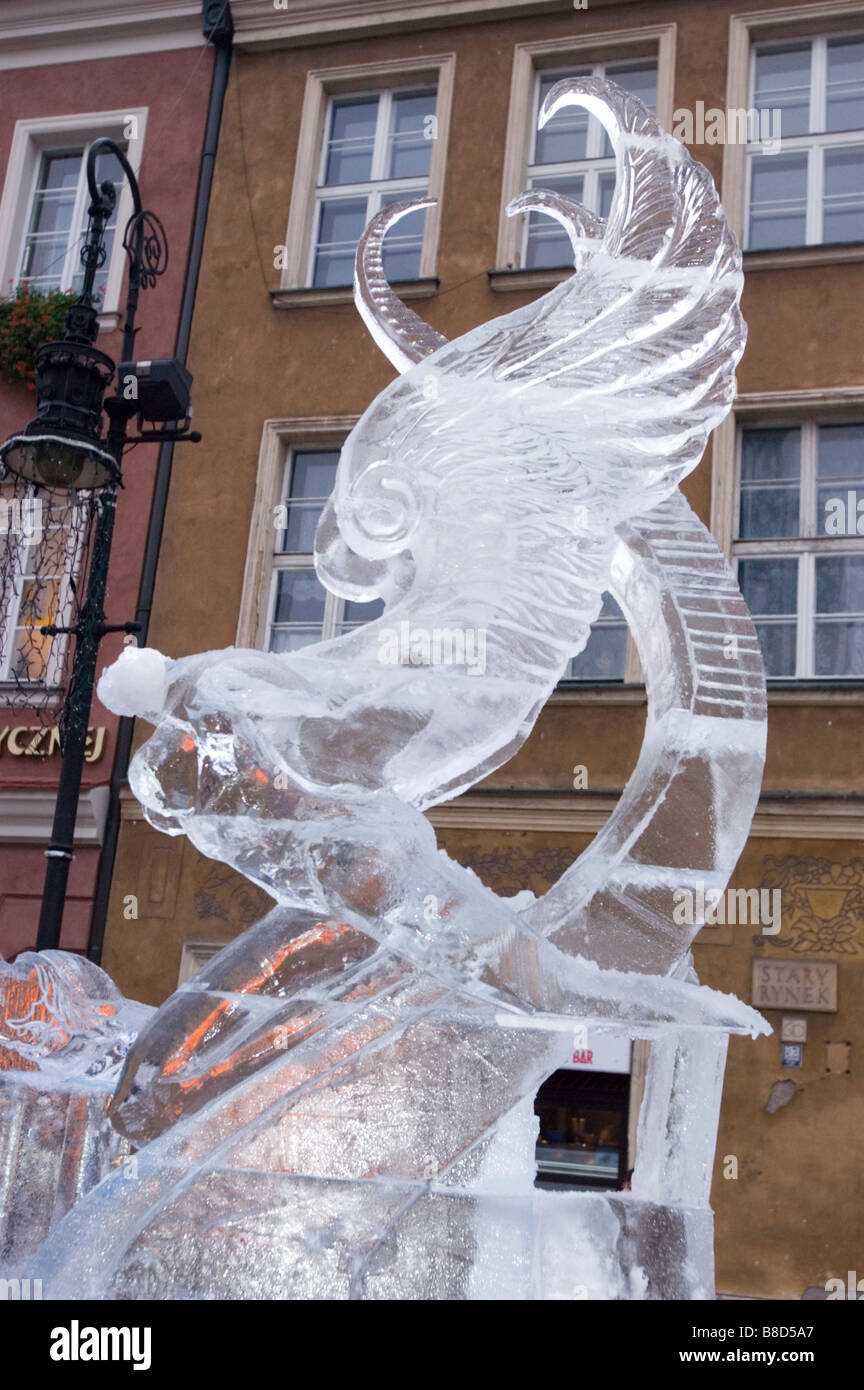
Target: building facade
{"x":141,"y":75}
{"x":330,"y":114}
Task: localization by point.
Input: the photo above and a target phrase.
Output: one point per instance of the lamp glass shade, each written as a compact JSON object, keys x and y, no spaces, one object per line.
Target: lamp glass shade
{"x":58,"y":461}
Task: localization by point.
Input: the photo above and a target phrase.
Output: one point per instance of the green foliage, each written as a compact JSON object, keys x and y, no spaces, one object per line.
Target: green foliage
{"x":28,"y":319}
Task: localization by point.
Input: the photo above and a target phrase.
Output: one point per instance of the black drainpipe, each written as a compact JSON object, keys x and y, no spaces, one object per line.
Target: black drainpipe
{"x":218,"y":30}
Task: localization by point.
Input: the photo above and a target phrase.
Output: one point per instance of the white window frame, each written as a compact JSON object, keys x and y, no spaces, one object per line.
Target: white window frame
{"x":63,"y":617}
{"x":195,"y":955}
{"x":31,"y":138}
{"x":356,"y":80}
{"x":279,"y":438}
{"x":300,"y":561}
{"x":810,"y":542}
{"x":656,"y":42}
{"x":594,"y":162}
{"x":814,"y":144}
{"x":373,"y":188}
{"x":785,"y":23}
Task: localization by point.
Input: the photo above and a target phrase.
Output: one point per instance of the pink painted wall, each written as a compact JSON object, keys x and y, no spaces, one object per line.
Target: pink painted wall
{"x":174,"y":87}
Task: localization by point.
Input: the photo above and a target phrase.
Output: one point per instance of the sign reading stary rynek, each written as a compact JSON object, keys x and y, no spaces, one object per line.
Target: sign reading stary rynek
{"x":795,"y":984}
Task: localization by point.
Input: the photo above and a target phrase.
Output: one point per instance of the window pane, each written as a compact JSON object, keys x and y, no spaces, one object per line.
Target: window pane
{"x":845,"y":84}
{"x":840,"y":584}
{"x":52,"y":212}
{"x":43,"y":261}
{"x":411,"y":134}
{"x":356,"y":613}
{"x":313,"y":472}
{"x":60,"y":170}
{"x":548,"y":244}
{"x":50,"y":222}
{"x":109,"y":168}
{"x":641,"y":81}
{"x":844,"y":194}
{"x":778,"y":200}
{"x":770,"y":586}
{"x":605,"y":654}
{"x":291,"y":639}
{"x":352,"y":140}
{"x":299,"y":597}
{"x":770,"y":454}
{"x":402,"y":262}
{"x":841,"y":471}
{"x":770,"y":483}
{"x":783,"y":84}
{"x":565,"y":137}
{"x":299,"y":535}
{"x":570,"y":134}
{"x":839,"y":640}
{"x":404,"y":242}
{"x":777,"y":642}
{"x":839,"y":649}
{"x":340,"y":227}
{"x":770,"y":589}
{"x":607,"y":189}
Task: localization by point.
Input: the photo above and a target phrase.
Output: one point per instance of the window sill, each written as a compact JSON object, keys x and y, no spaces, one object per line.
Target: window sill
{"x":798,"y":257}
{"x":596,"y":693}
{"x":784,"y":258}
{"x":843,"y":691}
{"x":305,"y":298}
{"x":526,"y":281}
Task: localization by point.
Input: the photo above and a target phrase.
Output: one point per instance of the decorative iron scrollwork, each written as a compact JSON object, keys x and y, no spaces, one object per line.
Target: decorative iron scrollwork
{"x":145,"y":240}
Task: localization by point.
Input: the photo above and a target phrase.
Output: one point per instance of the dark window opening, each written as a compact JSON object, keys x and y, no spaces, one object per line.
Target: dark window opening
{"x":583,"y":1130}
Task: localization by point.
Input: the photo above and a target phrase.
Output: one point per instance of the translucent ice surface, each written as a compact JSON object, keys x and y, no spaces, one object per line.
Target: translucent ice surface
{"x":339,"y":1104}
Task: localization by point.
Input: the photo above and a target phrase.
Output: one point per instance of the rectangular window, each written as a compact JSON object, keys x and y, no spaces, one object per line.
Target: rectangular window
{"x":56,"y":221}
{"x":377,"y":150}
{"x":572,"y":155}
{"x":800,"y":546}
{"x":40,"y":560}
{"x":301,"y":610}
{"x":812,"y":191}
{"x":605,"y":656}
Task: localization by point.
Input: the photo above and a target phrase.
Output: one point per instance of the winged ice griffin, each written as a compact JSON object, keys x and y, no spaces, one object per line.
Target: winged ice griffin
{"x":499,"y":485}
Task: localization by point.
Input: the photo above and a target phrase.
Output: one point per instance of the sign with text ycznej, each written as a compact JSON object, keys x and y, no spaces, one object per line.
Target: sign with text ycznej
{"x":38,"y":741}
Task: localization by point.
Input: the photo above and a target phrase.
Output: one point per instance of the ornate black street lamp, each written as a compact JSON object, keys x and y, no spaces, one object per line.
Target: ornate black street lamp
{"x":64,"y":447}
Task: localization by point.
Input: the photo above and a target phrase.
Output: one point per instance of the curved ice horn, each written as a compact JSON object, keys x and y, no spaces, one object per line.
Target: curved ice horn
{"x":646,"y":202}
{"x":405,"y":339}
{"x":401,"y":334}
{"x":584,"y":230}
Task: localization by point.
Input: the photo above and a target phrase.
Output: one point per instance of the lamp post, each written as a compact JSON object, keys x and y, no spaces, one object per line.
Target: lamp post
{"x":64,"y":447}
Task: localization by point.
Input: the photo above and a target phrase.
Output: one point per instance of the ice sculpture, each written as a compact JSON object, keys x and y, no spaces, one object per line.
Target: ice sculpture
{"x":340,"y":1103}
{"x":65,"y":1030}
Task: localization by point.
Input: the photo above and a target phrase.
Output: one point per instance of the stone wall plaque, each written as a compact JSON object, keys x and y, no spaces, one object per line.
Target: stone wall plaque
{"x":795,"y":984}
